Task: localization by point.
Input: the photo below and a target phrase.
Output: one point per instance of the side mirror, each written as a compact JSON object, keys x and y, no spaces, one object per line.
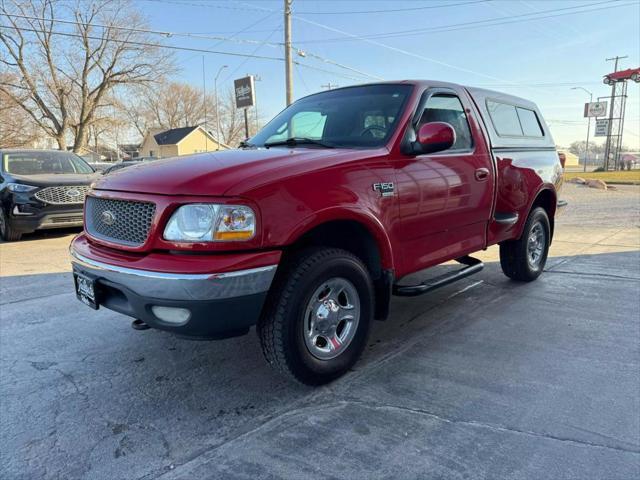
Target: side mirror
{"x":435,"y":137}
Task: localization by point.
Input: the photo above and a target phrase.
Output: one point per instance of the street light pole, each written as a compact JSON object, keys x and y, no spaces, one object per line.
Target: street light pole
{"x":586,"y":149}
{"x":215,"y":88}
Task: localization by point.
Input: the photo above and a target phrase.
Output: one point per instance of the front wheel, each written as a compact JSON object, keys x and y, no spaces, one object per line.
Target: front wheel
{"x":317,"y":318}
{"x":7,"y":233}
{"x":524,"y":259}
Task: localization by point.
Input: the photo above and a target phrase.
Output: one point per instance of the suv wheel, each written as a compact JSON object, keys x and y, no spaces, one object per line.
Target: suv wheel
{"x":317,"y":317}
{"x":6,"y":232}
{"x":524,"y":259}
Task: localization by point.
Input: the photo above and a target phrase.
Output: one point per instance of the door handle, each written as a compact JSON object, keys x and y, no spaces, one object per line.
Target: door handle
{"x":482,"y":174}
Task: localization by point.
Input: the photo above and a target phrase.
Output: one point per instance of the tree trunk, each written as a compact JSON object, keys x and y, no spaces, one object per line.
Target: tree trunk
{"x":82,"y":137}
{"x":62,"y":142}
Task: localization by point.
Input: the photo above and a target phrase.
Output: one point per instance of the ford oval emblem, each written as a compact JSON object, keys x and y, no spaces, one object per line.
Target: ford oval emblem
{"x":107,"y":217}
{"x":73,"y":193}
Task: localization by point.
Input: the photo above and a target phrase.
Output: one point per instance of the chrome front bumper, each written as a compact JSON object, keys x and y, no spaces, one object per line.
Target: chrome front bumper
{"x":180,"y":287}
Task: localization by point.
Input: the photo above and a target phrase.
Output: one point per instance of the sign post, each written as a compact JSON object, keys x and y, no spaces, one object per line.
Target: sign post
{"x":244,"y":89}
{"x":591,"y":109}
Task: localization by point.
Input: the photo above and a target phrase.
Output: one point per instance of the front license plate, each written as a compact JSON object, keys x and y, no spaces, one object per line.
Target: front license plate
{"x":86,"y":290}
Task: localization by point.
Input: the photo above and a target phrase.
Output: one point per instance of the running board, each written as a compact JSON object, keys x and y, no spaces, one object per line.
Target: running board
{"x":473,"y":265}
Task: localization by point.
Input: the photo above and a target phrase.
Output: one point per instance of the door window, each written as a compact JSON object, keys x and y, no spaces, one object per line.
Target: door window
{"x":448,"y":109}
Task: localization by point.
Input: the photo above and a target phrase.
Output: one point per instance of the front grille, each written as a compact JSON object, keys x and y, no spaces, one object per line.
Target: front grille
{"x":63,"y":195}
{"x":120,"y":221}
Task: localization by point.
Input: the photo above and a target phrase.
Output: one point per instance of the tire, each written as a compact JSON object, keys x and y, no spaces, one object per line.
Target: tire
{"x":7,"y":234}
{"x":524,"y":259}
{"x":305,"y":330}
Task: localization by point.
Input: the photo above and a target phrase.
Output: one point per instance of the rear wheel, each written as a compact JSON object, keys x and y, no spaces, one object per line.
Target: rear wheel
{"x":317,"y":318}
{"x":7,"y":233}
{"x":524,"y":259}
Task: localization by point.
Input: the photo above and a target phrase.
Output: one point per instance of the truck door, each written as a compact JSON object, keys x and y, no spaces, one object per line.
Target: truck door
{"x":445,"y":198}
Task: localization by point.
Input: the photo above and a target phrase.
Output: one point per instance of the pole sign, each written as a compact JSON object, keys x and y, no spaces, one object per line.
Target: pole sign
{"x":602,"y":127}
{"x":595,"y":109}
{"x":244,"y":91}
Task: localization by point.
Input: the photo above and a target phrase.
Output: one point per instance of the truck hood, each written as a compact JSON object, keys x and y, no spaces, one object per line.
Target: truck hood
{"x":228,"y":172}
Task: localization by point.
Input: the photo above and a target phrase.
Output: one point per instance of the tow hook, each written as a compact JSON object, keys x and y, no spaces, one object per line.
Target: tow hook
{"x":138,"y":324}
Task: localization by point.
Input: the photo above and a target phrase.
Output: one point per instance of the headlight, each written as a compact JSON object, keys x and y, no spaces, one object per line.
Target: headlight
{"x":208,"y":222}
{"x":20,"y":188}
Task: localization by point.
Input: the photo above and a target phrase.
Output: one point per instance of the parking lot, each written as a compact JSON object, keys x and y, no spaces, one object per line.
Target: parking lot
{"x":485,"y":378}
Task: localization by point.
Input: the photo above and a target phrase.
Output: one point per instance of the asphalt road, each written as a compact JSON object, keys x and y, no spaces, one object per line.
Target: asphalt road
{"x":486,"y":378}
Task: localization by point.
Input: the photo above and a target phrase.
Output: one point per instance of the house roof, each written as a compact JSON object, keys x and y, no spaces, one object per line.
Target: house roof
{"x":173,"y":136}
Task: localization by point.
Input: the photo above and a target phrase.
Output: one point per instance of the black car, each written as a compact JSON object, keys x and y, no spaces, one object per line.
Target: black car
{"x":41,"y":189}
{"x":127,"y":163}
{"x":118,"y":166}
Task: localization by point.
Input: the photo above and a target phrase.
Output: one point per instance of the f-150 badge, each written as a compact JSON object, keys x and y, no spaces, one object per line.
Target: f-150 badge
{"x":386,"y":189}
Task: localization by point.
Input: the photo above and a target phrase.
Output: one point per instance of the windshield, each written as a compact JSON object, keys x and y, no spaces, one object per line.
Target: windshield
{"x":350,"y":117}
{"x":44,"y":163}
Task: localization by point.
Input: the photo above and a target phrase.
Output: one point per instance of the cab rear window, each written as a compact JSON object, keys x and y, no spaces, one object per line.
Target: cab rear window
{"x":512,"y":121}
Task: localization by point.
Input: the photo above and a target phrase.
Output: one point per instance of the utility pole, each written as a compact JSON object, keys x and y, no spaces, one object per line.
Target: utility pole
{"x":609,"y":148}
{"x":288,"y":60}
{"x":329,"y":86}
{"x":586,"y":149}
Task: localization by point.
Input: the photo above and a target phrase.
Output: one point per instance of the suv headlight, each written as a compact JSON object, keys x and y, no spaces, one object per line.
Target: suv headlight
{"x":20,"y":187}
{"x":209,"y":222}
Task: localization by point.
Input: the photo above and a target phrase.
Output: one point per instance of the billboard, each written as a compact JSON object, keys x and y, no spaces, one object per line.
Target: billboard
{"x":244,"y":91}
{"x":595,"y":109}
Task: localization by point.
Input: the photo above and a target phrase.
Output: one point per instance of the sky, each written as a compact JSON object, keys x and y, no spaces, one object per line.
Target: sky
{"x":538,"y":56}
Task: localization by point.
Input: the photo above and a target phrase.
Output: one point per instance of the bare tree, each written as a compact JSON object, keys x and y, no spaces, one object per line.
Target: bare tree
{"x":174,"y":105}
{"x":169,"y":105}
{"x":232,"y":120}
{"x":66,"y":74}
{"x":16,"y":126}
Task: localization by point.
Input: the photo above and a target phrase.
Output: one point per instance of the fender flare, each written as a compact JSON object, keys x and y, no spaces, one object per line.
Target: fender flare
{"x":534,"y":198}
{"x":365,"y":218}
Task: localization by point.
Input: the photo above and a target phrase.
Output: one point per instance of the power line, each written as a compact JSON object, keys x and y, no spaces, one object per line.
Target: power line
{"x":169,"y":34}
{"x":148,"y":44}
{"x":144,"y":30}
{"x":400,"y":50}
{"x":207,"y":4}
{"x":303,"y":53}
{"x":490,"y":22}
{"x":190,"y":49}
{"x":230,"y":75}
{"x":393,"y":10}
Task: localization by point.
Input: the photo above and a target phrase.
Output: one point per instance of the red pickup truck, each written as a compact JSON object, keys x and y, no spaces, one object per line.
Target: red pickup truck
{"x":307,"y":230}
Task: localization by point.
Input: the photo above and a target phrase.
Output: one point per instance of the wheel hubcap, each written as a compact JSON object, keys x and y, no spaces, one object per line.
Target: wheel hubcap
{"x":331,"y":318}
{"x":535,"y":245}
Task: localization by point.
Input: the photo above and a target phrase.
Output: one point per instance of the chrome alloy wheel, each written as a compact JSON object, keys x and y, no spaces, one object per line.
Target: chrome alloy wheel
{"x":536,"y":245}
{"x":331,"y":318}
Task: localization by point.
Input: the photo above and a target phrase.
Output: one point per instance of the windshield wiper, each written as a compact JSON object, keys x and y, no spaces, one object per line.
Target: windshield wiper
{"x":295,"y":141}
{"x":246,"y":144}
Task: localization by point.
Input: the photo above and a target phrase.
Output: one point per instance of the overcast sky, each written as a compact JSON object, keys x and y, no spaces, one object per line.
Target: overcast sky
{"x":539,"y":56}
